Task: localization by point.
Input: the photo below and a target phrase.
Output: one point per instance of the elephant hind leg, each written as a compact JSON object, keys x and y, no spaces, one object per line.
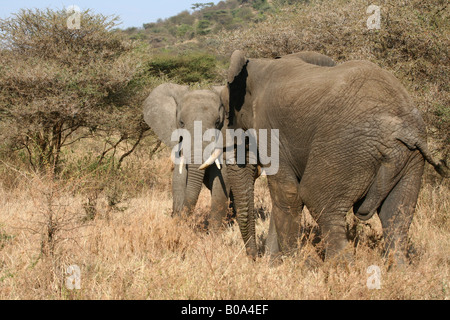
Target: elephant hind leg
{"x":397,"y":210}
{"x":391,"y":170}
{"x":329,"y":193}
{"x":284,"y":230}
{"x":333,"y":228}
{"x":384,"y":181}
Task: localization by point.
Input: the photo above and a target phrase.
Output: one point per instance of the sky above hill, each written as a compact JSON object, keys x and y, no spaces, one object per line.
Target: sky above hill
{"x":133,"y":13}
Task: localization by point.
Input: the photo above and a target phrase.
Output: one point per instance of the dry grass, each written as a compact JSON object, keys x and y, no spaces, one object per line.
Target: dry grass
{"x":140,"y":252}
{"x":128,"y":247}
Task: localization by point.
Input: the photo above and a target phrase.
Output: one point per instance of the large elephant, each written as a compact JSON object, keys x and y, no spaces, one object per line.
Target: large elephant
{"x":349,"y":137}
{"x":244,"y":176}
{"x":172,"y":106}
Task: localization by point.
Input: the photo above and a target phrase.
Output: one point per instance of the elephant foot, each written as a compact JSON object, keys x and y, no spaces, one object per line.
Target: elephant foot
{"x":343,"y":261}
{"x":399,"y":256}
{"x":312,"y":261}
{"x":275,"y":260}
{"x":396,"y":260}
{"x":214,"y":226}
{"x":344,"y":257}
{"x":252,"y":253}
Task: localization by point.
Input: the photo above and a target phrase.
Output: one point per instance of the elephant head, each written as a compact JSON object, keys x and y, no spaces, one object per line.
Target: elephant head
{"x":170,"y":107}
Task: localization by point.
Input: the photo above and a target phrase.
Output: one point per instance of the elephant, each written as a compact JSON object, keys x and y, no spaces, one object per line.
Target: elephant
{"x":245,"y":176}
{"x":171,"y":106}
{"x":311,"y":57}
{"x":349,"y":138}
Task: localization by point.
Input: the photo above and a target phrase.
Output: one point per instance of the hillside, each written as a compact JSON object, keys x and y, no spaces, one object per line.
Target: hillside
{"x":203,"y":19}
{"x":413,"y":42}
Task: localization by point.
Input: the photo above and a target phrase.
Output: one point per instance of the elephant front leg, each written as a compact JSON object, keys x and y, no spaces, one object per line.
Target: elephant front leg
{"x":219,"y":197}
{"x":272,"y":246}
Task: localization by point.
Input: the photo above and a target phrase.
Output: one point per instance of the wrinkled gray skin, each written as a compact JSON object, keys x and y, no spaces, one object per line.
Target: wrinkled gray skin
{"x":311,"y":57}
{"x":350,"y":138}
{"x":244,"y":175}
{"x":171,"y":106}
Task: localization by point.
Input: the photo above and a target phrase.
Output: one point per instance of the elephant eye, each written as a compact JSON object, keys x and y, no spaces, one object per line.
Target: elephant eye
{"x":217,"y":124}
{"x":181,"y":123}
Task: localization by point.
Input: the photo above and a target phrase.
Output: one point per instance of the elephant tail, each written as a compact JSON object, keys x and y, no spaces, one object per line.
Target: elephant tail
{"x":415,"y":138}
{"x":440,"y":166}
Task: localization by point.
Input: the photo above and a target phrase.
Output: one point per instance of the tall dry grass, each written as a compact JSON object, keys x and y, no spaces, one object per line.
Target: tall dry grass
{"x":117,"y":227}
{"x":140,"y":252}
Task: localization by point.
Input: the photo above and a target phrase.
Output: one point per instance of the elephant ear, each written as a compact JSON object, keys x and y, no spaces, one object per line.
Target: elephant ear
{"x":218,"y":90}
{"x":160,"y":110}
{"x":237,"y":63}
{"x":225,"y":104}
{"x":224,"y":97}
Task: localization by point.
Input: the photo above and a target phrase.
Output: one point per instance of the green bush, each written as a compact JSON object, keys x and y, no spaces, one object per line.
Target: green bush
{"x":60,"y":85}
{"x":185,"y":31}
{"x":203,"y":27}
{"x":261,"y":5}
{"x":185,"y":67}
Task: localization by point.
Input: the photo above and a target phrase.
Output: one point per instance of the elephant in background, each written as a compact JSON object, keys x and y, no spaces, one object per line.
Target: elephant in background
{"x":311,"y":57}
{"x":171,"y":106}
{"x":349,"y":138}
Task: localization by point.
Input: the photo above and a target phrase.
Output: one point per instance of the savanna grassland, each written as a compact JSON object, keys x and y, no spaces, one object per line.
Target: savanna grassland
{"x":135,"y":250}
{"x":83,"y":180}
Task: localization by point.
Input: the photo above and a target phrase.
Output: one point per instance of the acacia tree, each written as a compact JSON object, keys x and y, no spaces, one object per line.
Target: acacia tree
{"x":59,"y":84}
{"x":201,"y":6}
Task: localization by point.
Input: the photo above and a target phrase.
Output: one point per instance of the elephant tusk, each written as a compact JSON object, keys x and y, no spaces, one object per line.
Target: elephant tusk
{"x":181,"y":165}
{"x":212,"y":159}
{"x":217,"y":163}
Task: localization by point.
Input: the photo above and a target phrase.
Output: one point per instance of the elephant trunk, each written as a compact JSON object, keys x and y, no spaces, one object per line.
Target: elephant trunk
{"x":178,"y":190}
{"x":242,"y":185}
{"x":193,"y":187}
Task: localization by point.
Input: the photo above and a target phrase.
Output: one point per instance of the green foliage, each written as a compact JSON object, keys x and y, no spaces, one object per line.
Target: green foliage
{"x":183,"y":17}
{"x":185,"y":31}
{"x":206,"y":19}
{"x":243,"y":14}
{"x":5,"y":239}
{"x":200,"y":6}
{"x":203,"y":27}
{"x":60,"y":85}
{"x":261,"y":5}
{"x":282,"y":3}
{"x":185,"y":67}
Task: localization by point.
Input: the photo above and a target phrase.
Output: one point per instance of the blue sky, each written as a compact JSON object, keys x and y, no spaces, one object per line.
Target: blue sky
{"x":133,"y":13}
